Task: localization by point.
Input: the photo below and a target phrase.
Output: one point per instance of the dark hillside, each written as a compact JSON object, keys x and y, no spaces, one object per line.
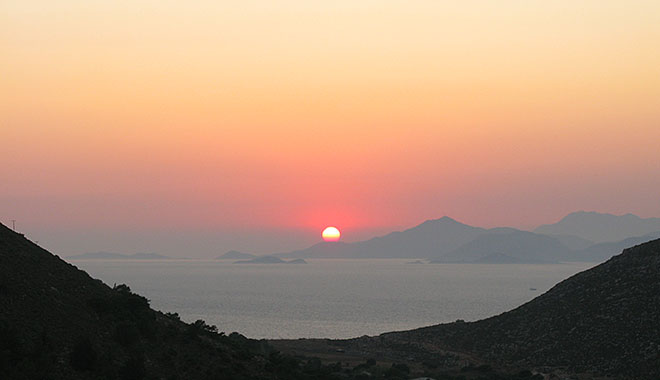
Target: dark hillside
{"x":56,"y":322}
{"x":601,"y":323}
{"x":605,"y":320}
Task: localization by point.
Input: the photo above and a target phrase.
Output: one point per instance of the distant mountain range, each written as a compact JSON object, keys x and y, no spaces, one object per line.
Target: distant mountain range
{"x":601,"y":228}
{"x":429,"y":239}
{"x":118,"y":256}
{"x":577,"y":237}
{"x":510,"y":246}
{"x":57,"y":322}
{"x":603,"y":251}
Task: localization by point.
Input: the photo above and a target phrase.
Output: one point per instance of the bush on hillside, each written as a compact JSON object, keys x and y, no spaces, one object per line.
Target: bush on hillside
{"x":83,"y":355}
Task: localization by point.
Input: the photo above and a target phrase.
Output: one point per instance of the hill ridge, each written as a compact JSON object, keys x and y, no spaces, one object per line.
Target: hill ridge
{"x":57,"y":322}
{"x":602,"y":320}
{"x":601,"y":227}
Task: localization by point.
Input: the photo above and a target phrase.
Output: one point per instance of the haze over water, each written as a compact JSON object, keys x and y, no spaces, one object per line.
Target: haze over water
{"x":192,"y":128}
{"x":330,"y":298}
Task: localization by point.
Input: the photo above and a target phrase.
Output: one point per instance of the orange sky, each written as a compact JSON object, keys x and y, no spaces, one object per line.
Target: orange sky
{"x":253,"y":124}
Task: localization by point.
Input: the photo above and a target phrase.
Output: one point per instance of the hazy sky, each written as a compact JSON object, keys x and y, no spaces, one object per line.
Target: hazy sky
{"x":191,"y":128}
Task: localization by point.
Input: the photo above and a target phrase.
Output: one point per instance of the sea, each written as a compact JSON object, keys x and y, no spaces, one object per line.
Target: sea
{"x":329,"y":298}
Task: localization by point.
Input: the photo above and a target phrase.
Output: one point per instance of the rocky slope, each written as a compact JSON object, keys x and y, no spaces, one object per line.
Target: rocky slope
{"x":600,"y":323}
{"x":56,"y":322}
{"x":605,"y":320}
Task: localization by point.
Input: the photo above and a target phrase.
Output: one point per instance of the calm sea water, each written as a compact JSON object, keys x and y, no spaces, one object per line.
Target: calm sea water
{"x":330,"y":298}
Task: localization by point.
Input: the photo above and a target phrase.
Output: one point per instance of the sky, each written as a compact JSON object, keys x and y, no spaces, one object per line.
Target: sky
{"x":191,"y":128}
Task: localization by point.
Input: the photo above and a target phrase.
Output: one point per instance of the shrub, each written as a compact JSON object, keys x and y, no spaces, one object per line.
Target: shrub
{"x":397,"y":371}
{"x":120,"y":303}
{"x":133,"y":369}
{"x":10,"y":350}
{"x":313,"y":365}
{"x":122,"y":288}
{"x":201,"y":326}
{"x":281,"y":364}
{"x":127,"y":334}
{"x":174,"y":316}
{"x":83,"y":355}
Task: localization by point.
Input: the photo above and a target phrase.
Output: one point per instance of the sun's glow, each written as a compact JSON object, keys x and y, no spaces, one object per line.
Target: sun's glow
{"x":331,"y":234}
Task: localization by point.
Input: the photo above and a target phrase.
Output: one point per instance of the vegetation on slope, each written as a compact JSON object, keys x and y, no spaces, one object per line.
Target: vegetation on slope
{"x":603,"y":321}
{"x":56,"y":322}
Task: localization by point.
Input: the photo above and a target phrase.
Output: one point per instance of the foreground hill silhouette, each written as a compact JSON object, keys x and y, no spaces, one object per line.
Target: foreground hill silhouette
{"x":56,"y":322}
{"x":604,"y":321}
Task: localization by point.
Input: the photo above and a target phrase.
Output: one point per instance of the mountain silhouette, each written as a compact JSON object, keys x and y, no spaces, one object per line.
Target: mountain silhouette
{"x":603,"y":251}
{"x":518,"y":246}
{"x":428,"y":239}
{"x":446,"y":240}
{"x":56,"y":322}
{"x":601,"y":228}
{"x":575,"y":243}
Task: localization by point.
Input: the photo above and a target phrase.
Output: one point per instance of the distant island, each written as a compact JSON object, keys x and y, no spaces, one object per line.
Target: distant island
{"x":416,"y":262}
{"x":236,"y":255}
{"x":270,"y":260}
{"x":118,"y":256}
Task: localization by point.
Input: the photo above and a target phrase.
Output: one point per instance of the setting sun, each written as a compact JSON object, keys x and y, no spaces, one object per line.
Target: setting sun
{"x":331,"y":234}
{"x":507,"y":150}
